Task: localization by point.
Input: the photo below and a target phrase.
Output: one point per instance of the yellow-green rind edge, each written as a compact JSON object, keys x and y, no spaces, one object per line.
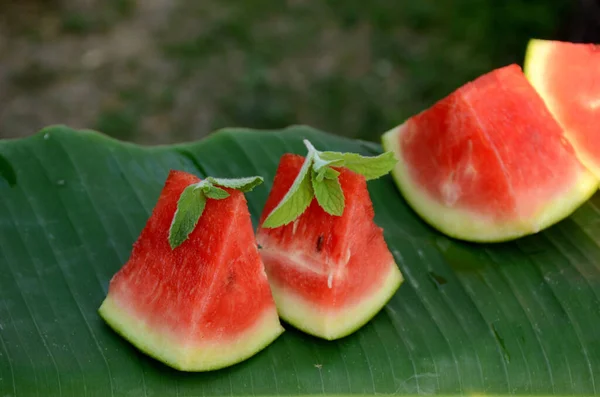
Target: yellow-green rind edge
{"x":132,"y":330}
{"x":303,"y":316}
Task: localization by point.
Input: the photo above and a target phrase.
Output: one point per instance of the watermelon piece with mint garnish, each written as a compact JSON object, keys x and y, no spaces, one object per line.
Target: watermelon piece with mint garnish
{"x":194,"y":293}
{"x":329,"y":267}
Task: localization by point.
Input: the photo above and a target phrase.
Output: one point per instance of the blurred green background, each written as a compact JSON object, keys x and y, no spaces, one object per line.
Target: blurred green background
{"x":160,"y":71}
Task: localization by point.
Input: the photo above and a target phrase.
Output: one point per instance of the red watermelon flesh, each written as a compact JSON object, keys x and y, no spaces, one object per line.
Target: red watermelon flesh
{"x":207,"y":303}
{"x":329,"y":274}
{"x":489,"y":162}
{"x":567,"y":75}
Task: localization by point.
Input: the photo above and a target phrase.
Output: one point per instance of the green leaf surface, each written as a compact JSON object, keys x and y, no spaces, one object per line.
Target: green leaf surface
{"x":479,"y":320}
{"x":190,"y":206}
{"x":329,"y":194}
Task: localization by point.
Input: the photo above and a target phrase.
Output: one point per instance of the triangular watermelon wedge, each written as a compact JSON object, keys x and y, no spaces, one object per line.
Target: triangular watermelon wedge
{"x":205,"y":304}
{"x":489,"y":163}
{"x":567,"y":76}
{"x":329,"y":274}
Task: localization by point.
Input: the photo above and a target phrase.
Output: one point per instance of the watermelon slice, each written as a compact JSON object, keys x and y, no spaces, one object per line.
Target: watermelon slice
{"x":567,"y":76}
{"x":489,"y":162}
{"x":329,"y":274}
{"x":205,"y":304}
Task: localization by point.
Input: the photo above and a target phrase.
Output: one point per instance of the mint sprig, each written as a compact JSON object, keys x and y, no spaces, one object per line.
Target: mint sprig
{"x":242,"y":184}
{"x":329,"y":194}
{"x":318,"y":179}
{"x":192,"y":201}
{"x":190,"y":206}
{"x":296,"y":200}
{"x":369,"y":167}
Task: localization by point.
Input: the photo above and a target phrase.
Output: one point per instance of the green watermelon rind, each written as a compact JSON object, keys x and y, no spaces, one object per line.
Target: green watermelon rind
{"x":534,"y":65}
{"x":462,"y":225}
{"x":265,"y":331}
{"x":313,"y":320}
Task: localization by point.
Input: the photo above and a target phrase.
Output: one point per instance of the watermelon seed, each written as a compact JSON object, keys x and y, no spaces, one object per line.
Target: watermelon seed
{"x":230,"y":277}
{"x":259,"y":246}
{"x":320,"y":243}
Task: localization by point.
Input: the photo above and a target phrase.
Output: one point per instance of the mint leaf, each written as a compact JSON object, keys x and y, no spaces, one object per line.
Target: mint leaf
{"x":296,"y":200}
{"x":319,"y":163}
{"x":192,"y":201}
{"x":216,"y":193}
{"x":327,"y":173}
{"x":329,"y":194}
{"x":330,"y":173}
{"x":241,"y":184}
{"x":318,"y":179}
{"x":190,"y":206}
{"x":369,"y":167}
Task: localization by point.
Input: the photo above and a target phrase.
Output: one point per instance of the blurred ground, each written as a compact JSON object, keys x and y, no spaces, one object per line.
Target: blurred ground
{"x":160,"y":71}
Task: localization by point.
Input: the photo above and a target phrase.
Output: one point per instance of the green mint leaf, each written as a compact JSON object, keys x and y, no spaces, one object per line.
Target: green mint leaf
{"x":241,"y":184}
{"x":189,"y":209}
{"x":332,"y":156}
{"x":369,"y":167}
{"x":327,"y":173}
{"x":192,"y":201}
{"x":318,"y":179}
{"x":216,"y":193}
{"x":204,"y":185}
{"x":319,"y":175}
{"x":319,"y":163}
{"x":296,"y":200}
{"x":329,"y":194}
{"x":330,"y":173}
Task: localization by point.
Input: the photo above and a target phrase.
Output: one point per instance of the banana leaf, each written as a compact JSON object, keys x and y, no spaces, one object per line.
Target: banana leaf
{"x":471,"y":319}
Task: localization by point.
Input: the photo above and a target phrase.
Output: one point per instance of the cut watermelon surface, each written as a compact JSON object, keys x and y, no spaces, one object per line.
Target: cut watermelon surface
{"x":567,"y":76}
{"x":489,"y":162}
{"x":329,"y":274}
{"x":204,"y":305}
